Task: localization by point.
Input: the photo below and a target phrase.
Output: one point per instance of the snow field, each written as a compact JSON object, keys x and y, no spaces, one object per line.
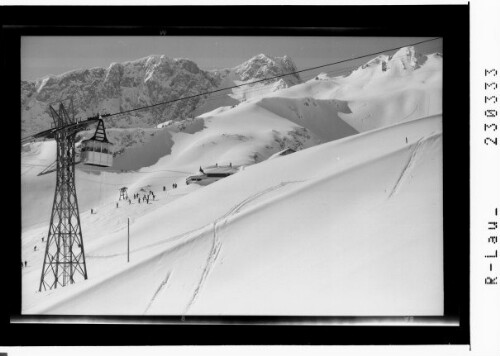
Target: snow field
{"x":319,"y":226}
{"x":351,"y":224}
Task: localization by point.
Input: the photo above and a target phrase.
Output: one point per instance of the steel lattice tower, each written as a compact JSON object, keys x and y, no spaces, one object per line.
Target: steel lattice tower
{"x":64,"y":257}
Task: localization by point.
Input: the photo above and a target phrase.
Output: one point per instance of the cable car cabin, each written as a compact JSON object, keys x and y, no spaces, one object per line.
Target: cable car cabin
{"x":96,"y":151}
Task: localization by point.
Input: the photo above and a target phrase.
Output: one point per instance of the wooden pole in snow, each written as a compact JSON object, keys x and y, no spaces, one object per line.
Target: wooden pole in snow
{"x":128,"y":240}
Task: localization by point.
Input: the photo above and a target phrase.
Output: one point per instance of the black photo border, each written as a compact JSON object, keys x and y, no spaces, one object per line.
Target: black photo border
{"x":376,"y":20}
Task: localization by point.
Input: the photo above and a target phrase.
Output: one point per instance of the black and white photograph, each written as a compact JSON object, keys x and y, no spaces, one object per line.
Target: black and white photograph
{"x":268,"y":175}
{"x":232,"y":175}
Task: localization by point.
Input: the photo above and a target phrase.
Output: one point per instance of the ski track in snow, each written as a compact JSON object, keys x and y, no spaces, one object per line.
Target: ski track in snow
{"x":158,"y":290}
{"x":216,"y":225}
{"x":406,"y":169}
{"x":415,"y":154}
{"x":216,"y":242}
{"x":212,"y":257}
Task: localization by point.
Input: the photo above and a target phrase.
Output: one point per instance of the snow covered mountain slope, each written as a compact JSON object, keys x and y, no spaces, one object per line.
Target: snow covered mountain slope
{"x":244,"y":135}
{"x":353,"y":213}
{"x":308,"y":227}
{"x":297,"y":117}
{"x":384,"y":91}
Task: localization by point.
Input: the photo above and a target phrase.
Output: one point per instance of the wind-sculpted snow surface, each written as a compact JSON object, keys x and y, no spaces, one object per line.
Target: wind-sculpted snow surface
{"x":308,"y":227}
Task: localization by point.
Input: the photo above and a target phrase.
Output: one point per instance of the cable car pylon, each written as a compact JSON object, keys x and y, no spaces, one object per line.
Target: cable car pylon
{"x":64,"y":259}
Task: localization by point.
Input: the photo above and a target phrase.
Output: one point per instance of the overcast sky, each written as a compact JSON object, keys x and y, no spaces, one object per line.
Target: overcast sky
{"x":41,"y":56}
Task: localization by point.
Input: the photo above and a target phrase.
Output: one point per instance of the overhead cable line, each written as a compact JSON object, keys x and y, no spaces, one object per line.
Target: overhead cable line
{"x":25,"y":139}
{"x":269,"y":79}
{"x":340,"y":71}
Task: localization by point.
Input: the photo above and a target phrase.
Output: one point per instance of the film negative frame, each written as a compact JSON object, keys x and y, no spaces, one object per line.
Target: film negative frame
{"x":453,"y":328}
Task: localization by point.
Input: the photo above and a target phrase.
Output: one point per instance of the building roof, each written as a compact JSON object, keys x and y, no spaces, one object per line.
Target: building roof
{"x":284,"y":152}
{"x":220,"y":169}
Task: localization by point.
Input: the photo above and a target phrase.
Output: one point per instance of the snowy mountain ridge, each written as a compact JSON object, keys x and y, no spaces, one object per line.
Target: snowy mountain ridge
{"x":263,"y":66}
{"x":405,"y":58}
{"x":145,"y":81}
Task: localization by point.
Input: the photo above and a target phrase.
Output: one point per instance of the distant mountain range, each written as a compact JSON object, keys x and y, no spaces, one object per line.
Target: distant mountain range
{"x":146,"y":81}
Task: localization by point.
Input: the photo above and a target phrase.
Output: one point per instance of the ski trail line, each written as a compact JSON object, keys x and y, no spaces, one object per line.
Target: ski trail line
{"x":216,"y":242}
{"x":212,"y":257}
{"x":160,"y":287}
{"x":407,"y":168}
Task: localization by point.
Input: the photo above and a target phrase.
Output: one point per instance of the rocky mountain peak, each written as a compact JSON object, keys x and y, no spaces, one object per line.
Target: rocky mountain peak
{"x":138,"y":83}
{"x":405,"y":59}
{"x":263,"y":66}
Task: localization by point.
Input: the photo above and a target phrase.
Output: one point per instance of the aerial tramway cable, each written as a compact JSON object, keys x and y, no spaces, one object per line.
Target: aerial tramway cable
{"x":271,"y":78}
{"x":47,"y":170}
{"x":26,"y":139}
